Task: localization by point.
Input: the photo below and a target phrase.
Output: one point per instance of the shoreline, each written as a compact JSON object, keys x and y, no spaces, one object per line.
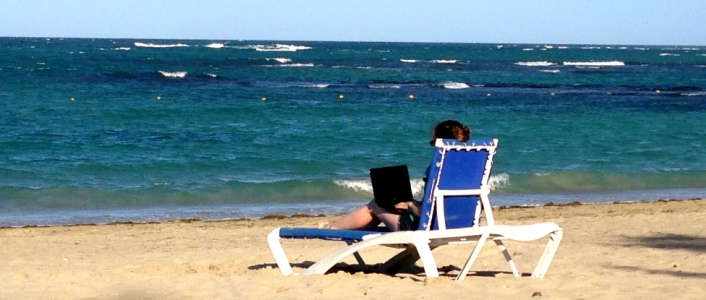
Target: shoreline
{"x":304,"y":215}
{"x":651,"y":250}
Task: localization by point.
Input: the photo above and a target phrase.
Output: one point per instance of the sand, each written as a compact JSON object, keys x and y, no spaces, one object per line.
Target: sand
{"x":647,"y":250}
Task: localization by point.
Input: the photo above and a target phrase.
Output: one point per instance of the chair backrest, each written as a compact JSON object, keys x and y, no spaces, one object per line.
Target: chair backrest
{"x":457,"y":184}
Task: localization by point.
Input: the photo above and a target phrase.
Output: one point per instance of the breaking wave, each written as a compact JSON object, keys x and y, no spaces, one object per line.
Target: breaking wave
{"x":614,"y":63}
{"x":149,"y":45}
{"x":180,"y":74}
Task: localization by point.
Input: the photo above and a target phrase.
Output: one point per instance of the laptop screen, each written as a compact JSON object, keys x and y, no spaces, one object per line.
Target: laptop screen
{"x":391,"y":186}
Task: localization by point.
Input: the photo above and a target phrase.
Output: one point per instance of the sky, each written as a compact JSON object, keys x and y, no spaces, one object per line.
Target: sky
{"x":616,"y":22}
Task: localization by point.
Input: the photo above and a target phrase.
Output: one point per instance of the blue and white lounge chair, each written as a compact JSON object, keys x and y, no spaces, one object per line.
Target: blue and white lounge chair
{"x":456,"y":196}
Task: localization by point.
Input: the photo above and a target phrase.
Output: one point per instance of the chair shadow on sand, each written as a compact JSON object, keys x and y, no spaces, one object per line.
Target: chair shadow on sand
{"x":445,"y":271}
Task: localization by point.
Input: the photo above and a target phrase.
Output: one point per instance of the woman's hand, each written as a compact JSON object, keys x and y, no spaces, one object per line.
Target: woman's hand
{"x":409,"y":206}
{"x":404,"y":206}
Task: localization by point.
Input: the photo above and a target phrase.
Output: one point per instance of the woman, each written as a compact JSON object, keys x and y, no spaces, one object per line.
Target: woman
{"x":406,"y":214}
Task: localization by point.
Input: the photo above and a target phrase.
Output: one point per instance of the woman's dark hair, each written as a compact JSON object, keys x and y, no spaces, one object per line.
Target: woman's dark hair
{"x":450,"y":129}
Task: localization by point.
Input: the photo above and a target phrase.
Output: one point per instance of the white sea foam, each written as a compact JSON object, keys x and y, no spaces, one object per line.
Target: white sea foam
{"x":123,"y":49}
{"x":594,"y":63}
{"x":590,"y":47}
{"x":550,"y":71}
{"x":694,"y":94}
{"x":669,"y":54}
{"x":548,"y":46}
{"x":444,"y":61}
{"x":279,"y":48}
{"x":297,"y":65}
{"x":315,"y":85}
{"x":148,"y":45}
{"x":282,"y":60}
{"x":455,"y":85}
{"x":173,"y":74}
{"x":498,"y":181}
{"x":535,"y":63}
{"x":408,"y":60}
{"x":528,"y":49}
{"x":364,"y":185}
{"x":356,"y":185}
{"x":563,"y":47}
{"x":384,"y":86}
{"x":215,"y":45}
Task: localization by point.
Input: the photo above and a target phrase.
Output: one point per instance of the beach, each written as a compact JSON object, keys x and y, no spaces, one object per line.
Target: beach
{"x":642,"y":250}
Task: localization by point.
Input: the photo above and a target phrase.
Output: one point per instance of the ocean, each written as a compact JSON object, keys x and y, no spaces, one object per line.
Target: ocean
{"x":97,"y":131}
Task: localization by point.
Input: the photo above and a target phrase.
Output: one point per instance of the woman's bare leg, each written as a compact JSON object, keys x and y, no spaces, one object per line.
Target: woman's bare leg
{"x":360,"y":218}
{"x":390,"y":219}
{"x":366,"y":216}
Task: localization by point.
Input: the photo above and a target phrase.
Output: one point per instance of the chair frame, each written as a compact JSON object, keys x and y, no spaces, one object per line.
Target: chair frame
{"x":420,"y":243}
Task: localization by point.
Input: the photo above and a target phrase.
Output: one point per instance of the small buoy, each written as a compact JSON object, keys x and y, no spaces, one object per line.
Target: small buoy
{"x":159,"y":97}
{"x":72,"y":99}
{"x":340,"y":96}
{"x":489,"y":94}
{"x":264,"y":98}
{"x":411,"y":96}
{"x":658,"y":91}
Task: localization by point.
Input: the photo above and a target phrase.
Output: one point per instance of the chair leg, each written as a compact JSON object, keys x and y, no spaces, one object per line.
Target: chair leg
{"x":472,"y":258}
{"x":273,"y":240}
{"x":422,"y":245}
{"x":508,"y":258}
{"x":357,"y":256}
{"x":548,"y":255}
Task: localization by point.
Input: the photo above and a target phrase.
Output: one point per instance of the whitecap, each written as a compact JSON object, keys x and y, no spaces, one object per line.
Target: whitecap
{"x":148,"y":45}
{"x":444,"y":61}
{"x":528,"y":49}
{"x":535,"y":63}
{"x":408,"y":60}
{"x":181,"y":74}
{"x":123,"y":49}
{"x":279,"y":48}
{"x":668,"y":54}
{"x":384,"y":86}
{"x":550,"y":71}
{"x":595,"y":63}
{"x":315,"y":85}
{"x":297,"y":65}
{"x":282,"y":60}
{"x":215,"y":45}
{"x":455,"y":85}
{"x":694,"y":94}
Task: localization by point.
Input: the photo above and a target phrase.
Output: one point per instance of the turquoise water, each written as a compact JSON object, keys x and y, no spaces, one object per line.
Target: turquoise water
{"x":97,"y":131}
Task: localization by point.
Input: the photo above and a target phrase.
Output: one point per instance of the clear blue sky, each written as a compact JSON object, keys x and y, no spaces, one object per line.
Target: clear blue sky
{"x":644,"y":22}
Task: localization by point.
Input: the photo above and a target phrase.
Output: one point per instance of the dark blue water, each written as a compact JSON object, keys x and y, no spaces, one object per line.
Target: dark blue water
{"x":101,"y":130}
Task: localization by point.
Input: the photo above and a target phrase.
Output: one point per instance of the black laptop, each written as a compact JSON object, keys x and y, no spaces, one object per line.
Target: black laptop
{"x":391,"y":186}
